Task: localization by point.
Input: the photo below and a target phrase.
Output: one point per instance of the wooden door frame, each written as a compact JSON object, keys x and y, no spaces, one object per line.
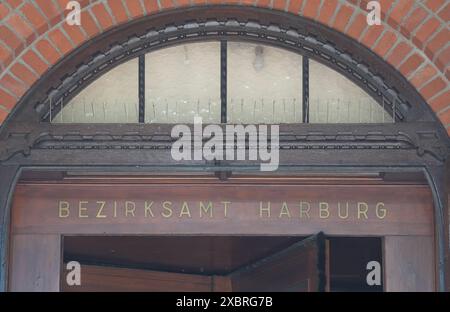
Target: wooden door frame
{"x":418,"y":143}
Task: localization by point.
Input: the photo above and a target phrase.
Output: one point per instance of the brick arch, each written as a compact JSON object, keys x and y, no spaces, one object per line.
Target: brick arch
{"x":412,"y":38}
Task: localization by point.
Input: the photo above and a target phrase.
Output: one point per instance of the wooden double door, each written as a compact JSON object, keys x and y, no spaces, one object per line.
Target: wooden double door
{"x":301,"y":267}
{"x":401,"y":215}
{"x":297,"y":267}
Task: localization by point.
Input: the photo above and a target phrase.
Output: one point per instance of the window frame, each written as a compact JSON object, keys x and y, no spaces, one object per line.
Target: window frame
{"x":223,"y":57}
{"x":393,"y":102}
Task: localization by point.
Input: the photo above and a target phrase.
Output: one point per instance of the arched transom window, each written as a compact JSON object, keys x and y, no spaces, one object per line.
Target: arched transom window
{"x":222,"y":82}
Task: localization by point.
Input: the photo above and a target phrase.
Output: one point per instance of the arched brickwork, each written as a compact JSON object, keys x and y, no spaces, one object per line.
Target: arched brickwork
{"x":413,"y":37}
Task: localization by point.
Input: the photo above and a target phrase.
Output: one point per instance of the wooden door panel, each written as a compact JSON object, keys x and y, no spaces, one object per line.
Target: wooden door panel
{"x":299,"y":268}
{"x":409,"y":263}
{"x":35,"y":262}
{"x":106,"y":278}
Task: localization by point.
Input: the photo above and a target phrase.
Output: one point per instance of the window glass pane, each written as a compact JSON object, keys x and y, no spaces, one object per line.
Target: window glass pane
{"x":264,"y":84}
{"x":335,"y":99}
{"x":112,"y":98}
{"x":181,"y":82}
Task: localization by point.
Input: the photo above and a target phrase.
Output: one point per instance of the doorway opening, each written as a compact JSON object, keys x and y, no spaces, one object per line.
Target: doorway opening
{"x":221,"y":263}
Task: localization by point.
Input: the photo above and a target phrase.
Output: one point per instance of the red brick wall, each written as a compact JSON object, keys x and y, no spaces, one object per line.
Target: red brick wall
{"x":413,"y":36}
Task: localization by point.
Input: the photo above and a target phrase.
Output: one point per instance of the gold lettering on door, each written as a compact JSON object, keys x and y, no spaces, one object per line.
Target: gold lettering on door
{"x":346,"y":211}
{"x":82,"y":210}
{"x":148,"y":209}
{"x":225,"y":207}
{"x":63,"y":209}
{"x":167,"y":206}
{"x":324,"y":211}
{"x":185,"y":210}
{"x":362,"y":210}
{"x":284,"y":211}
{"x":380,"y":211}
{"x":264,"y":209}
{"x":100,"y":209}
{"x":130,"y":208}
{"x":305,"y":207}
{"x":208,"y":208}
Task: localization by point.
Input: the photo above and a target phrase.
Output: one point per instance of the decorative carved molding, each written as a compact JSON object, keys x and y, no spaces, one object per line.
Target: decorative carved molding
{"x":410,"y":137}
